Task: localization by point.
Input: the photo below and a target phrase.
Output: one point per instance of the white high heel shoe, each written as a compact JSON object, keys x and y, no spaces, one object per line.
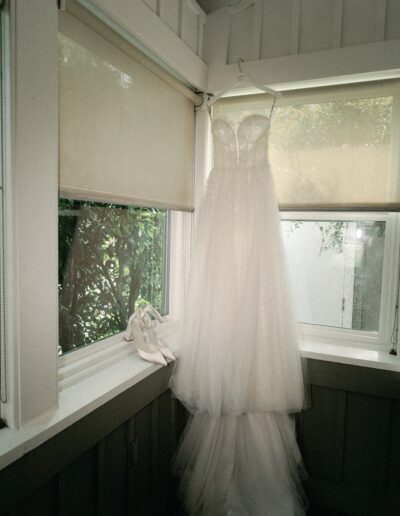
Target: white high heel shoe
{"x":146,"y":314}
{"x":146,"y":349}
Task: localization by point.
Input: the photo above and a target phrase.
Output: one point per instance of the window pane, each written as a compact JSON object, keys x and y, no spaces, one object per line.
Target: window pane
{"x":112,"y":259}
{"x":332,"y":152}
{"x":336,"y":271}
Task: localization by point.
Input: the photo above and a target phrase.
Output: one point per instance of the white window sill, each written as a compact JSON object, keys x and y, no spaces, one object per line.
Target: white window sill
{"x":82,"y":397}
{"x":78,"y":400}
{"x":377,"y":359}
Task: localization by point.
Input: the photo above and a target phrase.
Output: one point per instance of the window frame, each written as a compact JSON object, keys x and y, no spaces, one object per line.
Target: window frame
{"x":360,"y":338}
{"x":40,"y":381}
{"x":87,"y":360}
{"x":314,"y":335}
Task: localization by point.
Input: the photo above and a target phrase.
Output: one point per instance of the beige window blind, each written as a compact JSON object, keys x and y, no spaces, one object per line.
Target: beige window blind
{"x":332,"y":148}
{"x":126,"y":127}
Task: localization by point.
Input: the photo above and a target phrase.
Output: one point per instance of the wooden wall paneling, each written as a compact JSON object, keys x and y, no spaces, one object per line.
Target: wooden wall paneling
{"x":316,"y":25}
{"x":154,"y":445}
{"x":139,"y":483}
{"x":216,"y":38}
{"x":101,"y":484}
{"x":132,"y":459}
{"x":152,"y":4}
{"x":366,"y":442}
{"x":257,"y":30}
{"x":165,"y":437}
{"x":343,"y":499}
{"x":337,"y":24}
{"x":380,"y":19}
{"x":117,"y":472}
{"x":358,"y":22}
{"x":190,"y":25}
{"x":43,"y":502}
{"x":295,"y":27}
{"x":182,"y":416}
{"x":392,"y":22}
{"x":276,"y":27}
{"x":200,"y":39}
{"x":393,"y":481}
{"x":340,"y":422}
{"x":241,"y":30}
{"x":29,"y":473}
{"x":319,"y":434}
{"x":393,"y":473}
{"x":170,"y":13}
{"x":350,"y":378}
{"x":78,"y":486}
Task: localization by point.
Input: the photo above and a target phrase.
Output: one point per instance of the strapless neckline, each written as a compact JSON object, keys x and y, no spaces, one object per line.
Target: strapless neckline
{"x":241,"y":144}
{"x":263,"y":120}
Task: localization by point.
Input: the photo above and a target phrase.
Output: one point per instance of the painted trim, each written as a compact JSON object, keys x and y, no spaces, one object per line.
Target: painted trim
{"x":373,"y":61}
{"x":144,"y":29}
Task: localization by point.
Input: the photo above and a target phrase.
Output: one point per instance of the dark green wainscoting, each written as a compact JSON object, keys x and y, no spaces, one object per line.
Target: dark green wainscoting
{"x":350,"y":439}
{"x":115,"y":461}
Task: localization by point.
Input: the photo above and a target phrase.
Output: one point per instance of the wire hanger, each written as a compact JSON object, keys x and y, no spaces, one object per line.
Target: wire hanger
{"x":241,"y":77}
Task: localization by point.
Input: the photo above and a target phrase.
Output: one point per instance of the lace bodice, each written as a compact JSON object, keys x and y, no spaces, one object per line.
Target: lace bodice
{"x":246,"y":148}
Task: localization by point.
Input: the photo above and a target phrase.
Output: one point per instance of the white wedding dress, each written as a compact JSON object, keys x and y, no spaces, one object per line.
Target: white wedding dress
{"x":239,"y":372}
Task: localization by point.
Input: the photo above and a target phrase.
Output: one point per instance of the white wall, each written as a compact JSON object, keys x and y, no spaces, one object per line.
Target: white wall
{"x":185,"y":18}
{"x":297,"y":40}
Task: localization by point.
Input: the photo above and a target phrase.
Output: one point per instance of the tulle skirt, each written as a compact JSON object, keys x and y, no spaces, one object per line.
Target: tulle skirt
{"x":239,"y":343}
{"x":239,"y":371}
{"x":245,"y":465}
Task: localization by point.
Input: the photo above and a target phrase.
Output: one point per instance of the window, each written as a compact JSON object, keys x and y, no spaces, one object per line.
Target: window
{"x":341,"y":267}
{"x":112,"y":259}
{"x":124,"y":176}
{"x":336,"y":267}
{"x":334,"y":157}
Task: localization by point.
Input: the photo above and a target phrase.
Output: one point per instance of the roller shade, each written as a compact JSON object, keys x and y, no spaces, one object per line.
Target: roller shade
{"x":332,"y":148}
{"x":126,"y":134}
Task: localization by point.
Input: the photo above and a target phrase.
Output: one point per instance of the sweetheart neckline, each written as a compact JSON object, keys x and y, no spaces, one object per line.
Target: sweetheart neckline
{"x":228,"y":123}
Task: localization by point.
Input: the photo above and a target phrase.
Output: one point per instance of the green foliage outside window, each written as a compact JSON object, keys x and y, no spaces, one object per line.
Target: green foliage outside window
{"x":112,"y":259}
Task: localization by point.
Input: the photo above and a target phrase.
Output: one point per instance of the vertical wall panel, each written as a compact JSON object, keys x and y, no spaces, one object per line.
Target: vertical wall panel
{"x":358,"y":22}
{"x":319,"y":433}
{"x":394,"y":455}
{"x":275,"y":38}
{"x":43,"y":502}
{"x":190,"y":26}
{"x":216,"y":37}
{"x":165,"y":438}
{"x":366,"y":441}
{"x":116,"y":474}
{"x":101,"y":485}
{"x":140,"y":472}
{"x":337,"y":23}
{"x":392,"y":26}
{"x":169,"y":12}
{"x":380,"y":19}
{"x":316,"y":25}
{"x":295,"y":27}
{"x":241,"y":42}
{"x":152,"y":4}
{"x":77,"y":486}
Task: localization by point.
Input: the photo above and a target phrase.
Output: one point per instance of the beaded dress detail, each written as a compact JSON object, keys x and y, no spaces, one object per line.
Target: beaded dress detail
{"x":239,"y":372}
